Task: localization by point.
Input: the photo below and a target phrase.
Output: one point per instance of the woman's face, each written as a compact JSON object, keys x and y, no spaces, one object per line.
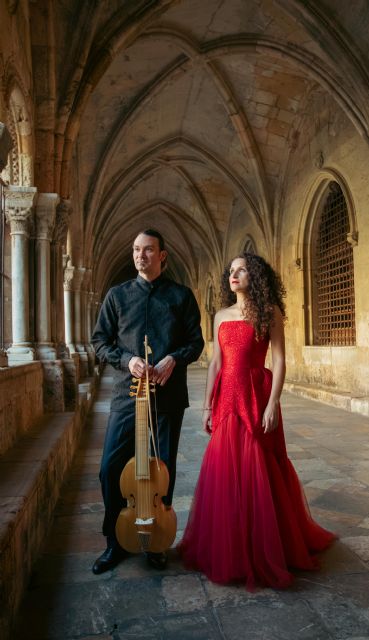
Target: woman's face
{"x":238,"y":275}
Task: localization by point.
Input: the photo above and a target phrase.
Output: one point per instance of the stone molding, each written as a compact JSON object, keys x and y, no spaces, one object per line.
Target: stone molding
{"x":45,"y":215}
{"x":19,"y":202}
{"x":63,"y":214}
{"x":6,"y":145}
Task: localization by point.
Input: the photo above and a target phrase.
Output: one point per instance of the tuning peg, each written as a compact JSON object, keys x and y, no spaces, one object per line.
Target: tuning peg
{"x":132,"y":393}
{"x":135,"y":379}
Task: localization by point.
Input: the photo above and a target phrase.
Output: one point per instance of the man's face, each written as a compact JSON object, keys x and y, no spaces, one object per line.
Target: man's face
{"x":147,"y":256}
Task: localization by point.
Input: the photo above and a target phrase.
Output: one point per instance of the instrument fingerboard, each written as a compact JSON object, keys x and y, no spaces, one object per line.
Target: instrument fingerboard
{"x":142,"y":439}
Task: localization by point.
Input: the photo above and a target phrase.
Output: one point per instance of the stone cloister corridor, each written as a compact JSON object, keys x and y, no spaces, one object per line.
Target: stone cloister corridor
{"x":227,"y":125}
{"x":65,"y":601}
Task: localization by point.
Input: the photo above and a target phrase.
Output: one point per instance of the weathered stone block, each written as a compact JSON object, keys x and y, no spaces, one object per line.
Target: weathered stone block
{"x":53,"y":386}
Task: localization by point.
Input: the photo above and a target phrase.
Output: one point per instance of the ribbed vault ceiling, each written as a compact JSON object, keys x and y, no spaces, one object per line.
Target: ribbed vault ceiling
{"x":186,"y":118}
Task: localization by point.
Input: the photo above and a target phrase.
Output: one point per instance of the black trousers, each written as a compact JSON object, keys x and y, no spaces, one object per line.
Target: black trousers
{"x":119,"y":447}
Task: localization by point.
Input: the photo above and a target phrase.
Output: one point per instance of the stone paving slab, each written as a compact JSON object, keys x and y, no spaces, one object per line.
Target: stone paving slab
{"x":65,"y":601}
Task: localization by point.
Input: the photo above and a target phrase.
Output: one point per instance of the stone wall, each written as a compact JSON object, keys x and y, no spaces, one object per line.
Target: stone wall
{"x":21,"y":401}
{"x":330,"y":149}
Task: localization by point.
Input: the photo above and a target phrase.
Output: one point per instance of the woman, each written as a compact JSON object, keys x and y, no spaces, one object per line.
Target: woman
{"x":249,"y":520}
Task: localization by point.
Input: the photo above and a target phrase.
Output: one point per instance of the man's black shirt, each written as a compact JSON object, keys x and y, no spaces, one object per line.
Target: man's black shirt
{"x":168,"y":313}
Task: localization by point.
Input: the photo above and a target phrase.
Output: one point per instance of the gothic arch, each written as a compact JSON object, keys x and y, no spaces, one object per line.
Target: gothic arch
{"x":305,"y":239}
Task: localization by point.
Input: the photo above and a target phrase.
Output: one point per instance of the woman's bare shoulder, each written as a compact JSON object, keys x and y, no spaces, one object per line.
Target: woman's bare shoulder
{"x":223,"y":314}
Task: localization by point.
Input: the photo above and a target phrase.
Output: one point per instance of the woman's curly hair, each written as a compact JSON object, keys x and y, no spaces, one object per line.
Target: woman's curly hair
{"x":265,"y":289}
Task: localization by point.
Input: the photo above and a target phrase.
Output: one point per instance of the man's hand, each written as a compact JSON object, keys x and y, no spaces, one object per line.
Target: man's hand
{"x":137,"y":367}
{"x":163,"y":370}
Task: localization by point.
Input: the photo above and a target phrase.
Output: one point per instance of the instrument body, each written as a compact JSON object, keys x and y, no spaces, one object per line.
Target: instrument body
{"x":146,"y":524}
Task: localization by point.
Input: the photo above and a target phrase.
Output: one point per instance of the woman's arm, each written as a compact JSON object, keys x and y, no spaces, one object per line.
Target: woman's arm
{"x":213,"y":370}
{"x":271,"y":413}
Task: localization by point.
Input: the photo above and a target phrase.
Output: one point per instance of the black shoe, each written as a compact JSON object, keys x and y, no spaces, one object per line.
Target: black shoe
{"x":157,"y":560}
{"x":109,"y":559}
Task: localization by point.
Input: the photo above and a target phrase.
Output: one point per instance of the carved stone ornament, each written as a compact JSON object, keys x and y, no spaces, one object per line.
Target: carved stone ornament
{"x":69,"y":278}
{"x":45,"y":215}
{"x":6,"y":145}
{"x":63,"y":214}
{"x":19,"y":203}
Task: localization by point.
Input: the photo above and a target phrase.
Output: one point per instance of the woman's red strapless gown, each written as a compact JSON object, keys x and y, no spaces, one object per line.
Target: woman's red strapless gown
{"x":249,"y":520}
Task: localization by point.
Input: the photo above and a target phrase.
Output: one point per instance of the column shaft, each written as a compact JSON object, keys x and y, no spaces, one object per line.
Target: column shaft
{"x":19,"y":214}
{"x":20,"y":289}
{"x":45,"y":221}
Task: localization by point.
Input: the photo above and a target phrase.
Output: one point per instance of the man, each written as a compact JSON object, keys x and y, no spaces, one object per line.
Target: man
{"x":168,"y":313}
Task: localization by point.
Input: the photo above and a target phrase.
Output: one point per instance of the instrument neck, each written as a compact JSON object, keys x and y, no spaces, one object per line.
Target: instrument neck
{"x":142,"y":453}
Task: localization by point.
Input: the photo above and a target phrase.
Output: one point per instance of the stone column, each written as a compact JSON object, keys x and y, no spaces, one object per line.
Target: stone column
{"x":69,"y":307}
{"x":19,"y":203}
{"x":71,"y":364}
{"x":79,"y":274}
{"x":88,"y":298}
{"x":45,"y":221}
{"x":90,"y":310}
{"x":63,"y":212}
{"x":6,"y":145}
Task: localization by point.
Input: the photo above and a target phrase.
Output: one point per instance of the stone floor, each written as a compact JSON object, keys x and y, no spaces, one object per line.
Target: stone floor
{"x":330,"y":449}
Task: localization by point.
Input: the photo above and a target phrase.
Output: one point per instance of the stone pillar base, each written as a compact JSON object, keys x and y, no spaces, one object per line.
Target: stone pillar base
{"x":53,"y":386}
{"x":62,"y":351}
{"x":3,"y":359}
{"x":45,"y":352}
{"x":20,"y":355}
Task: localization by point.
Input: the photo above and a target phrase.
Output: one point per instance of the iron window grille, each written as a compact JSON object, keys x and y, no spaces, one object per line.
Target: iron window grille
{"x":334,"y":274}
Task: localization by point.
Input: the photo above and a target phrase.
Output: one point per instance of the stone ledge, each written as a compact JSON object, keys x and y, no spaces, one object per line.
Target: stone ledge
{"x":31,"y":474}
{"x":21,"y":401}
{"x":333,"y":397}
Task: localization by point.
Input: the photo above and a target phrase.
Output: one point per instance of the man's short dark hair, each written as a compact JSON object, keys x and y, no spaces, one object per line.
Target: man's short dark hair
{"x":155,"y":234}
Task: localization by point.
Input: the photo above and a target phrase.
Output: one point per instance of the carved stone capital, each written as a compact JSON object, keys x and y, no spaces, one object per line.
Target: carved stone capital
{"x":79,"y":275}
{"x":63,"y":214}
{"x":19,"y":202}
{"x":45,"y":215}
{"x":68,"y":278}
{"x":6,"y":145}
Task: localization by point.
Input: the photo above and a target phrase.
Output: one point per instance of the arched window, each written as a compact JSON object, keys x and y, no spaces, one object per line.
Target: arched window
{"x":333,"y":273}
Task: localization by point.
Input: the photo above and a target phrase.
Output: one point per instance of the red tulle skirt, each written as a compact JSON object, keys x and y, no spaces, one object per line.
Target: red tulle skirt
{"x":249,"y":519}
